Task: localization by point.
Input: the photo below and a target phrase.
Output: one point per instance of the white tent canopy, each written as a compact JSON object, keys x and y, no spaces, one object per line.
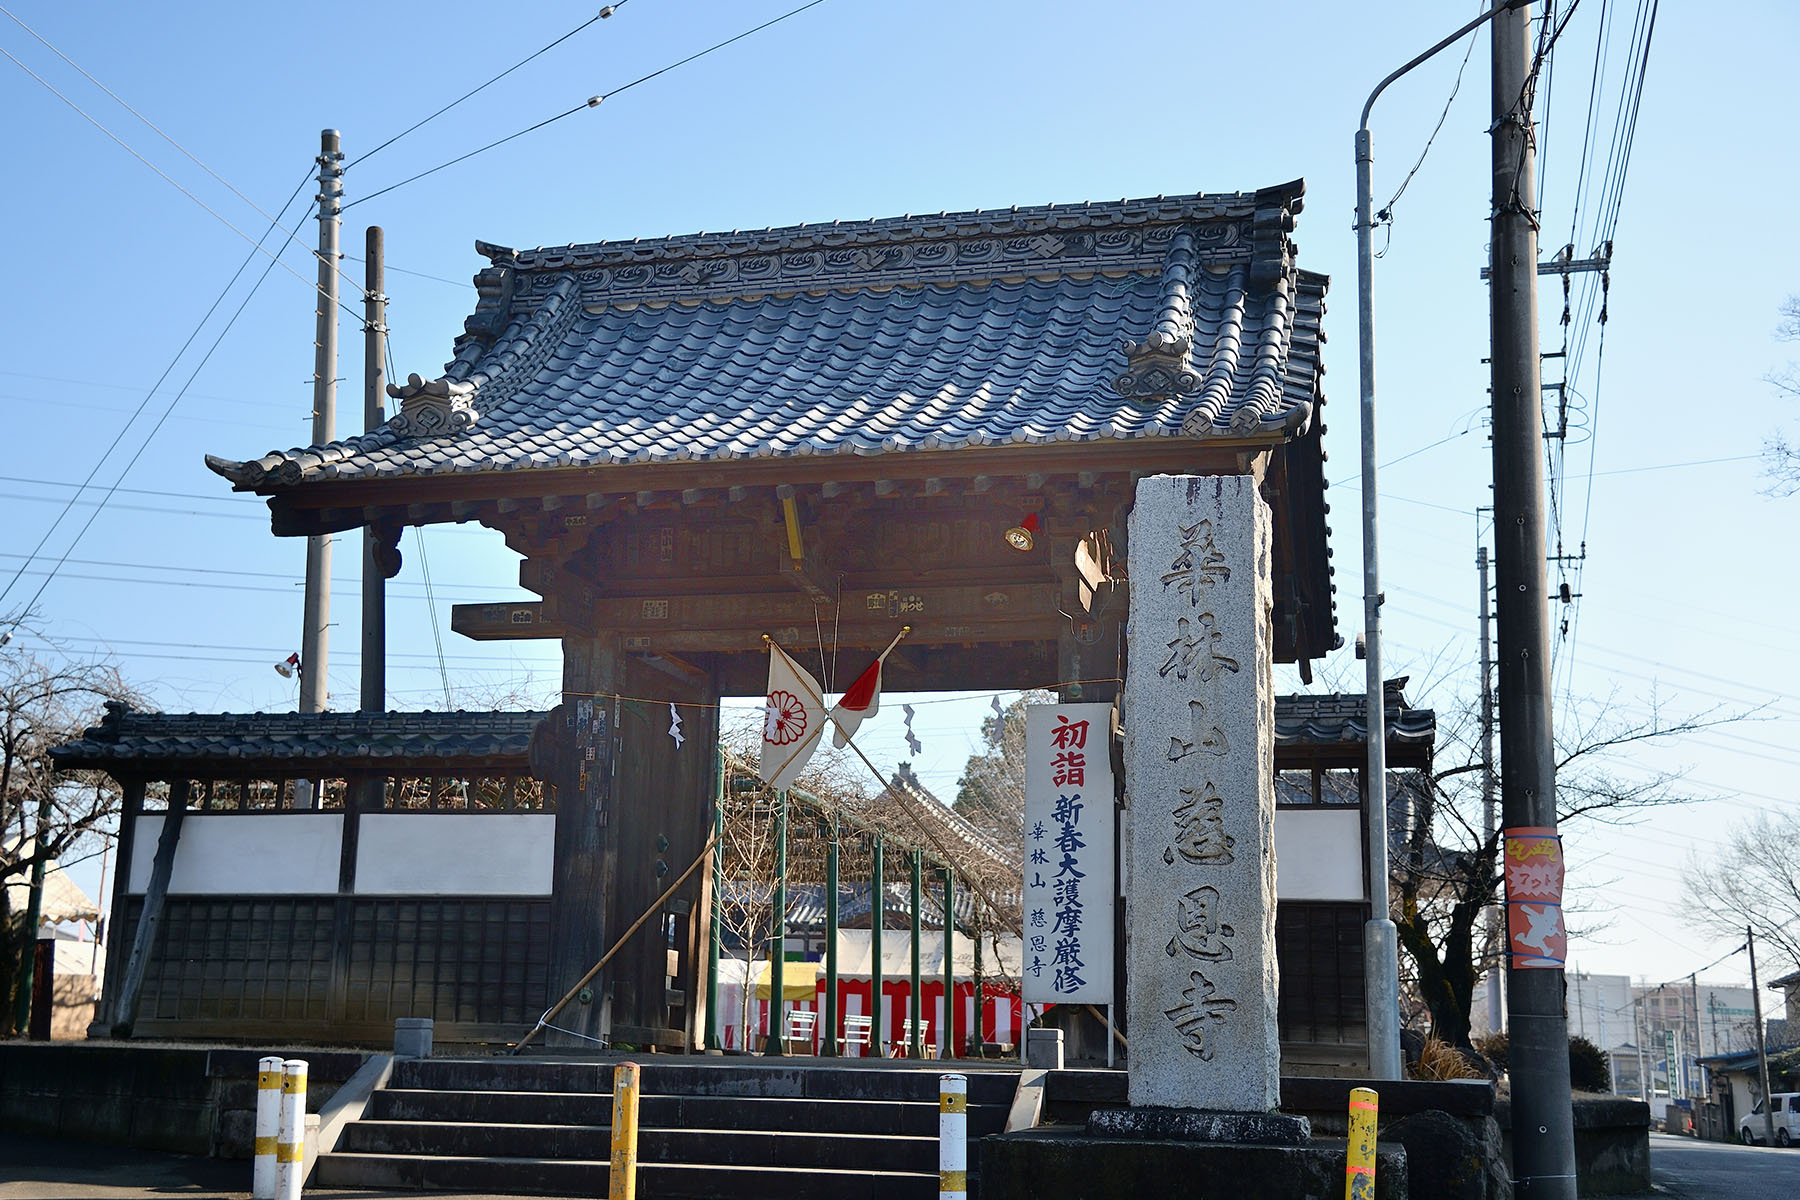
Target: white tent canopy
{"x":63,"y":900}
{"x":855,"y":959}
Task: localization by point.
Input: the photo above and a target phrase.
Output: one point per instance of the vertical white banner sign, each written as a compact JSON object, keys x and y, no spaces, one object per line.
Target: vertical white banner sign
{"x":1069,"y":890}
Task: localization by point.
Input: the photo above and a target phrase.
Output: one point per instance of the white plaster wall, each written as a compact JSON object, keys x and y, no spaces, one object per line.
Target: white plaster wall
{"x":1318,"y":854}
{"x":280,"y":853}
{"x":455,"y":854}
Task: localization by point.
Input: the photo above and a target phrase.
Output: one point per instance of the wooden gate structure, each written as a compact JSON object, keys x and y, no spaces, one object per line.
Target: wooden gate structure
{"x":696,"y":441}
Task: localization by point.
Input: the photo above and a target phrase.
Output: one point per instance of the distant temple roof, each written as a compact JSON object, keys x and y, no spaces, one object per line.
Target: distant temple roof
{"x":1336,"y":718}
{"x":1170,"y":317}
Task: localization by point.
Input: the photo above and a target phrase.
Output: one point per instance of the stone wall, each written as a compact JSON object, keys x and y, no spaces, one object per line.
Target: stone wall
{"x":1612,"y":1144}
{"x":183,"y":1099}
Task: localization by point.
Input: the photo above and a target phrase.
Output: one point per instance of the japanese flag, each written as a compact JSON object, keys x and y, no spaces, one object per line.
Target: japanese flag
{"x":863,"y":700}
{"x":793,"y":719}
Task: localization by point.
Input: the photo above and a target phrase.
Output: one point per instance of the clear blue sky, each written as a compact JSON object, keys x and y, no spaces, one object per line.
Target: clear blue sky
{"x":856,"y":110}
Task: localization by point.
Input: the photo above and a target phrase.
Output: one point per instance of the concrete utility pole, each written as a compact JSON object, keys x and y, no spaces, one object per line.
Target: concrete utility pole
{"x":374,"y":579}
{"x":1543,"y":1115}
{"x":1762,"y":1049}
{"x":314,"y":636}
{"x":1381,"y":958}
{"x":1496,"y":993}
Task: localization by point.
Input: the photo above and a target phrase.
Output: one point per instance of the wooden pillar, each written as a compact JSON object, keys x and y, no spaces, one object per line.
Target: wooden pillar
{"x":117,"y":946}
{"x":574,"y":749}
{"x":124,"y":1012}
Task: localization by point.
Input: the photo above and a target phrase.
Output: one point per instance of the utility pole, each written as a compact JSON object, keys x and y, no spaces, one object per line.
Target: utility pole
{"x":1496,"y":997}
{"x":314,"y":636}
{"x":1762,"y":1049}
{"x":374,"y":579}
{"x":1638,"y":1034}
{"x":1543,"y":1114}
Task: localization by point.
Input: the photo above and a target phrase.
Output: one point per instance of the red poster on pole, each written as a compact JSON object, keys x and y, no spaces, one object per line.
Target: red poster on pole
{"x":1535,"y":935}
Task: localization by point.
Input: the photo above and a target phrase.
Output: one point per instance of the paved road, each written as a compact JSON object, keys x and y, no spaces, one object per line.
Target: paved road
{"x":1688,"y":1168}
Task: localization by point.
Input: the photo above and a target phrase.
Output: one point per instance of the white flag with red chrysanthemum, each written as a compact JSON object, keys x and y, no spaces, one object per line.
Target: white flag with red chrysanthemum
{"x":793,"y":720}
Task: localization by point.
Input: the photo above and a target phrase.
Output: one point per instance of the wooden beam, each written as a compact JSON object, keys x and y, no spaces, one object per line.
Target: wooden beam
{"x":125,"y":1006}
{"x":522,"y":621}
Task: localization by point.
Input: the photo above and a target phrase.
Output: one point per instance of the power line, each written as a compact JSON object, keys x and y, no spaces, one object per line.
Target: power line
{"x":144,"y":445}
{"x":119,"y":437}
{"x":590,"y":102}
{"x":602,"y":15}
{"x":121,"y":101}
{"x":256,"y":244}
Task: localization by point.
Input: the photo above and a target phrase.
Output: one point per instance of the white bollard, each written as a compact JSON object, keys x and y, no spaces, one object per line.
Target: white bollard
{"x":268,"y":1122}
{"x":953,"y":1137}
{"x":290,"y":1142}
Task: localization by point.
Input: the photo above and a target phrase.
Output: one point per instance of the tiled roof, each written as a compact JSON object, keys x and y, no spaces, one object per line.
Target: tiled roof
{"x":1179,"y":316}
{"x":1336,"y":718}
{"x":222,"y":740}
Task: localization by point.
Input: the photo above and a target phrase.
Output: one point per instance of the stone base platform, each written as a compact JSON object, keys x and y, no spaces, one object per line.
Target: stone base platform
{"x":1065,"y":1163}
{"x":1199,"y":1125}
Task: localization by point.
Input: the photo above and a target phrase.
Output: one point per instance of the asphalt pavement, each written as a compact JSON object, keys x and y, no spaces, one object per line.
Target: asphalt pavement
{"x":1691,"y":1169}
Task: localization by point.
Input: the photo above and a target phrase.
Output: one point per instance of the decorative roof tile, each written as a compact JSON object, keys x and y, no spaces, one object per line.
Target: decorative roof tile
{"x":1179,"y":316}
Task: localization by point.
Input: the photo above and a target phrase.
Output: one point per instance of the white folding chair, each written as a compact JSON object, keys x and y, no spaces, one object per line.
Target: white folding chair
{"x":858,"y":1028}
{"x":799,"y":1028}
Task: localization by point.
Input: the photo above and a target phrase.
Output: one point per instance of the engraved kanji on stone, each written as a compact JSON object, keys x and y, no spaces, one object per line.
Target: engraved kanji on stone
{"x":1194,"y":645}
{"x":1204,"y":737}
{"x":1200,"y":563}
{"x":1199,"y":1007}
{"x":1198,"y":930}
{"x":1200,"y":835}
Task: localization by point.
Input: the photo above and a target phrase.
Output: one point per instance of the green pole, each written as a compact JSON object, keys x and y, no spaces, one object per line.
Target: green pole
{"x":778,"y":950}
{"x":918,"y":866}
{"x":829,"y":1046}
{"x":877,"y":919}
{"x":949,"y":1030}
{"x":978,"y":1035}
{"x":714,"y":1035}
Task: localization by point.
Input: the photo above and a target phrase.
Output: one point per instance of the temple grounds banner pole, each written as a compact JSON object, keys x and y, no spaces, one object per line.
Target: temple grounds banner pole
{"x":828,"y":1046}
{"x":775,"y":1042}
{"x":877,"y":918}
{"x":947,"y":1024}
{"x":913,"y":1004}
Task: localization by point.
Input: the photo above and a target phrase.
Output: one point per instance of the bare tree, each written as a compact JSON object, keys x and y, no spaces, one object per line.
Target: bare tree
{"x":1753,"y":883}
{"x":46,"y":814}
{"x":1784,"y":455}
{"x":1446,"y":868}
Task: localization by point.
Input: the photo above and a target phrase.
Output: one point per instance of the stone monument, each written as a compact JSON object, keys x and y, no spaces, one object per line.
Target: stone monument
{"x":1200,"y":814}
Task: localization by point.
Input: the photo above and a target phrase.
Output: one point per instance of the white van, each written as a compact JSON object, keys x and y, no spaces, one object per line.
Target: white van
{"x":1785,"y":1110}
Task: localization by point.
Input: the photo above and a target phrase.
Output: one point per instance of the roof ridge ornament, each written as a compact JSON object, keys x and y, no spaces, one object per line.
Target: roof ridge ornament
{"x":1159,"y":365}
{"x":430,"y":408}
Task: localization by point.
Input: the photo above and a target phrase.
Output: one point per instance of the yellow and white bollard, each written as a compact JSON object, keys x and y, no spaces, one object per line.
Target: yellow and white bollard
{"x":953,"y":1137}
{"x":290,"y":1138}
{"x":268,"y":1122}
{"x":623,"y":1175}
{"x":1359,"y":1167}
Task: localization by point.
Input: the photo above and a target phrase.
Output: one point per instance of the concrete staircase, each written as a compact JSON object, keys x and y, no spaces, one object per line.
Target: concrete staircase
{"x":739,"y":1127}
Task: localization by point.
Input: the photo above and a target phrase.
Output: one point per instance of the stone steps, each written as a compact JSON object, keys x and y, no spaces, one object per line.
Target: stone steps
{"x":577,"y":1177}
{"x":743,"y":1128}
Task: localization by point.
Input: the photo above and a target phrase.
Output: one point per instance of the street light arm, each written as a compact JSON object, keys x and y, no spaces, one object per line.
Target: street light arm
{"x":1477,"y":23}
